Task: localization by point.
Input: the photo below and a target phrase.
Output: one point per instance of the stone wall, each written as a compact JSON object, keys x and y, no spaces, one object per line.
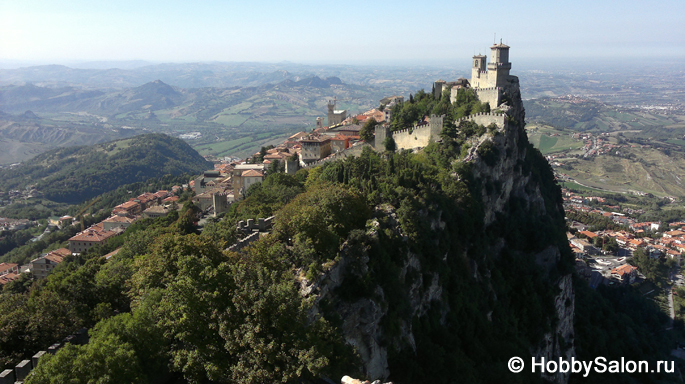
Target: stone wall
{"x":491,"y":95}
{"x":485,"y":119}
{"x":418,"y":136}
{"x":237,"y":247}
{"x":412,"y":138}
{"x":354,"y":150}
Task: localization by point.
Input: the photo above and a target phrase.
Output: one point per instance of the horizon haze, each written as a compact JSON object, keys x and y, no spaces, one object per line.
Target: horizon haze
{"x":382,"y":33}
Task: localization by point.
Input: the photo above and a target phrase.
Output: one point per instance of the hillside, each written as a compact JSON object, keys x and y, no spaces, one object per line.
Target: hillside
{"x":586,"y":114}
{"x":75,"y":174}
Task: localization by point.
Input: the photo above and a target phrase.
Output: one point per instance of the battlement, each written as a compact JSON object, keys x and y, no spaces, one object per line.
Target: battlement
{"x":355,"y":149}
{"x":411,"y":130}
{"x":473,"y":116}
{"x":485,"y":119}
{"x":417,"y":136}
{"x":488,"y":89}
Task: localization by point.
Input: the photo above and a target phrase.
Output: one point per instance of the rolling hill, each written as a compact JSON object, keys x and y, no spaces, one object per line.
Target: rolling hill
{"x":75,"y":174}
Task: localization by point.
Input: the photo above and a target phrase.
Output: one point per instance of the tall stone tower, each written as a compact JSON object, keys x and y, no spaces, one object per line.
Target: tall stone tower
{"x":499,"y":65}
{"x":335,"y":116}
{"x":479,"y":72}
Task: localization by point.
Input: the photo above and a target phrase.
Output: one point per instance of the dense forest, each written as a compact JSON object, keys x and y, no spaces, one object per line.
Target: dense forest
{"x":75,"y":174}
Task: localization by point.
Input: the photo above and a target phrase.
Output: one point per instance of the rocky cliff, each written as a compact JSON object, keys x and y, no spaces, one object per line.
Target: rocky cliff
{"x":460,"y":285}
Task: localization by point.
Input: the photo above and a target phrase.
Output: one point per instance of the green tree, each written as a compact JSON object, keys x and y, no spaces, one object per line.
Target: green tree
{"x":367,"y":132}
{"x":107,"y":360}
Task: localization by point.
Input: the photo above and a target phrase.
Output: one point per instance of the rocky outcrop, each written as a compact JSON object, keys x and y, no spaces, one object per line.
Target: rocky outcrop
{"x":512,"y":181}
{"x":503,"y":177}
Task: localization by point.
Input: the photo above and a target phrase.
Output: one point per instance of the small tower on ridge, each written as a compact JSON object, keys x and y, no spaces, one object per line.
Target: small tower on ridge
{"x":499,"y":65}
{"x":479,"y":76}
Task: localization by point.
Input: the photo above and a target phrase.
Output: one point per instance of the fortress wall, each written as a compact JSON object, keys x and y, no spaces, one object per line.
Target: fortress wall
{"x":354,"y":150}
{"x":489,"y":95}
{"x":485,"y":119}
{"x":419,"y":137}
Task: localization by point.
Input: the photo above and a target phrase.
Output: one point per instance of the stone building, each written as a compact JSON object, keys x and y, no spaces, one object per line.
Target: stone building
{"x":314,"y":148}
{"x":117,"y":221}
{"x":42,"y":266}
{"x":335,"y":116}
{"x":250,"y":177}
{"x":92,"y":236}
{"x":156,"y":211}
{"x":239,"y":187}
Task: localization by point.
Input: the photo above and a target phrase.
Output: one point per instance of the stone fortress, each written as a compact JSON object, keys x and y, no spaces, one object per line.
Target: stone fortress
{"x":491,"y":83}
{"x":335,"y":116}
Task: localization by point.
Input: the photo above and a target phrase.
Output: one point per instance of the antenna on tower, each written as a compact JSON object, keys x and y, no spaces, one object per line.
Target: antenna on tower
{"x":494,"y":40}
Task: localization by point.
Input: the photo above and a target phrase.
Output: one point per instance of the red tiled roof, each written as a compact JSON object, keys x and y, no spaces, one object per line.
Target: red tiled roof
{"x":623,"y":269}
{"x":107,"y":256}
{"x":7,"y":266}
{"x":93,"y":235}
{"x":252,"y":173}
{"x":119,"y":219}
{"x":128,"y":204}
{"x":62,"y":252}
{"x":7,"y":278}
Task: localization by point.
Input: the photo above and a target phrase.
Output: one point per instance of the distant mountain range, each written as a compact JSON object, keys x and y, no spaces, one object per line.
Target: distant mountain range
{"x":152,"y":96}
{"x":119,"y":75}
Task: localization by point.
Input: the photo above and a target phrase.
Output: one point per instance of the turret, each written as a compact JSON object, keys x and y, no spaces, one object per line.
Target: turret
{"x":479,"y":71}
{"x":499,"y":65}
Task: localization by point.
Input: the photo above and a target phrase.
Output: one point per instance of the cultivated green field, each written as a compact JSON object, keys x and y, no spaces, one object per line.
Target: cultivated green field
{"x":643,"y":169}
{"x":549,"y":140}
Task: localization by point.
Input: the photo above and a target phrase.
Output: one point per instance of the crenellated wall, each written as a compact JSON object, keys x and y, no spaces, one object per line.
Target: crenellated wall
{"x":485,"y":119}
{"x":415,"y":137}
{"x":354,"y":150}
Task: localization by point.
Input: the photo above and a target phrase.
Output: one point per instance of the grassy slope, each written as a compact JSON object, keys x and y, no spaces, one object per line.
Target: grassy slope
{"x":654,"y":172}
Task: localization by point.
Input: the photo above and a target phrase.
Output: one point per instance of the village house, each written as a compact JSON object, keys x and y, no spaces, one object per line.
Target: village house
{"x":4,"y":279}
{"x":131,"y":208}
{"x":6,"y":268}
{"x":91,"y":237}
{"x":118,"y":221}
{"x":340,"y":142}
{"x":156,"y":211}
{"x":42,"y":266}
{"x":675,"y":233}
{"x":314,"y":148}
{"x":251,"y":177}
{"x":239,"y":187}
{"x":584,"y":246}
{"x":626,"y":273}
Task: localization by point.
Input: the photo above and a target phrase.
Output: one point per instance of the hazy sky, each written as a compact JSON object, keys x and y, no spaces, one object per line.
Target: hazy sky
{"x":341,"y":32}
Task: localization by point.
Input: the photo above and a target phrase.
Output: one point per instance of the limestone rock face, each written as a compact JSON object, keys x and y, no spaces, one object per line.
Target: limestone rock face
{"x":363,"y":319}
{"x":507,"y":173}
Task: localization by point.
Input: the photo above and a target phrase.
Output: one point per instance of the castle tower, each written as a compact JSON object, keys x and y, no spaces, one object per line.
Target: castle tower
{"x":335,"y":116}
{"x":479,"y":75}
{"x":438,"y":86}
{"x":331,"y":112}
{"x":499,"y":65}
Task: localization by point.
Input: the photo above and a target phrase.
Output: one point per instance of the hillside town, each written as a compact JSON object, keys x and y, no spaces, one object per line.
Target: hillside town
{"x":602,"y":255}
{"x":146,"y":205}
{"x":214,"y":191}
